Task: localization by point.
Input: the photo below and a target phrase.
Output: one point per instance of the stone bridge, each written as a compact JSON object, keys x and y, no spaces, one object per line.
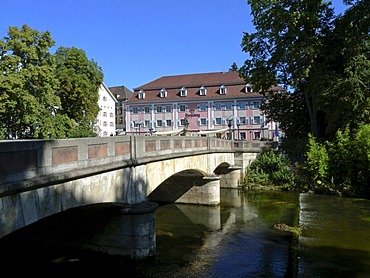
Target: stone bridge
{"x":40,"y":178}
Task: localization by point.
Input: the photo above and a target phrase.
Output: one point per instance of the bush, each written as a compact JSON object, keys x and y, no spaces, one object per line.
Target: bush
{"x":269,"y":168}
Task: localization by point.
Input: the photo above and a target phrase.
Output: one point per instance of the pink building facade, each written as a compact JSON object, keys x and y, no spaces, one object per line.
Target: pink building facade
{"x":207,"y":104}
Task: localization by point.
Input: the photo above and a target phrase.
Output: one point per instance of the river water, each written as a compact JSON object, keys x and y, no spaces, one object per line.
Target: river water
{"x":235,"y":239}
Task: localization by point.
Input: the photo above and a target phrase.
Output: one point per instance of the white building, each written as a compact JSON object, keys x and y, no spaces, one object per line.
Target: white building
{"x":107,"y":114}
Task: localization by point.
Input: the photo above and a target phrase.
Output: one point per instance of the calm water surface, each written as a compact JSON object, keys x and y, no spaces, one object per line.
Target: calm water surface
{"x":235,"y":239}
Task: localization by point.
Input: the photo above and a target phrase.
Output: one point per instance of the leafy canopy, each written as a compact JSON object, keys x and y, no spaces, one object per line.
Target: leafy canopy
{"x":34,"y":99}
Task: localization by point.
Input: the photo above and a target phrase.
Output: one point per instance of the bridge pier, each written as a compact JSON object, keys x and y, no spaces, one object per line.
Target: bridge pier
{"x":206,"y":194}
{"x":232,"y":178}
{"x":131,"y":232}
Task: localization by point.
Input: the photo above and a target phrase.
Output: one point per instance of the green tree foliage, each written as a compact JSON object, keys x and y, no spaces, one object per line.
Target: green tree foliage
{"x":79,"y":79}
{"x":233,"y":67}
{"x":27,"y":83}
{"x":322,"y":60}
{"x":341,"y":166}
{"x":32,"y":103}
{"x":269,"y":168}
{"x":289,"y":35}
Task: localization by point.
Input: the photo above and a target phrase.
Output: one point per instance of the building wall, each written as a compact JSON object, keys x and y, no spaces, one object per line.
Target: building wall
{"x":209,"y":104}
{"x":107,"y":113}
{"x":248,"y":123}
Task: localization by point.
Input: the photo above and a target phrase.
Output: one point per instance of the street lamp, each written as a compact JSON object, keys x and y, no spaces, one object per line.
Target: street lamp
{"x":238,"y":125}
{"x":186,"y":124}
{"x":229,"y":119}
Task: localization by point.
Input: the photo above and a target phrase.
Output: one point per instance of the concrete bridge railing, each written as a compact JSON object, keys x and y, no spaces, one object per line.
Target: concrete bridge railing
{"x":30,"y":164}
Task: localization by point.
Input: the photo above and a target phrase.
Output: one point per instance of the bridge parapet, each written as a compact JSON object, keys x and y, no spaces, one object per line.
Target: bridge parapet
{"x":26,"y":164}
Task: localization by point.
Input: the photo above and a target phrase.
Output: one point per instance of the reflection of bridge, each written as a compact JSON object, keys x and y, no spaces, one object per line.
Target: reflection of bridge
{"x":39,"y":178}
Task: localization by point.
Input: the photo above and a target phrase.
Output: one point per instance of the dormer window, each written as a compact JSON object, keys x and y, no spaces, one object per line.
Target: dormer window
{"x":248,"y":88}
{"x":183,"y":92}
{"x":141,"y":94}
{"x":223,"y":90}
{"x":203,"y":91}
{"x":163,"y":93}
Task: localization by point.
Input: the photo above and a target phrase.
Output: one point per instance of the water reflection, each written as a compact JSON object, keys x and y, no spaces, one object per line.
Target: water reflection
{"x":240,"y":242}
{"x":336,"y":237}
{"x":235,"y":239}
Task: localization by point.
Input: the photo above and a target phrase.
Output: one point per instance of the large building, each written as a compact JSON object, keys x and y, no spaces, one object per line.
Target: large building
{"x":208,"y":104}
{"x":107,"y":114}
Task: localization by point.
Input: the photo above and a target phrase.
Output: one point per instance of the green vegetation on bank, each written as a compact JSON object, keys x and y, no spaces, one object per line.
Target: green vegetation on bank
{"x":269,"y":170}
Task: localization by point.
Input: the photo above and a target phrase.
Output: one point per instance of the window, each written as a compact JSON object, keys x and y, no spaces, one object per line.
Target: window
{"x":146,"y":109}
{"x":243,"y":136}
{"x":104,"y":114}
{"x":183,"y":92}
{"x":184,"y":122}
{"x":159,"y":122}
{"x":218,"y":106}
{"x":111,"y":115}
{"x":256,"y":120}
{"x":105,"y":124}
{"x":223,"y":90}
{"x":141,"y":94}
{"x":202,"y":107}
{"x":242,"y":105}
{"x":182,"y":108}
{"x":146,"y":123}
{"x":218,"y":121}
{"x":203,"y":91}
{"x":168,"y":122}
{"x":228,"y":106}
{"x":105,"y":98}
{"x":203,"y":121}
{"x":135,"y":110}
{"x":163,"y":93}
{"x":159,"y":109}
{"x":255,"y":104}
{"x":243,"y":120}
{"x":111,"y":124}
{"x":168,"y":108}
{"x":257,"y":135}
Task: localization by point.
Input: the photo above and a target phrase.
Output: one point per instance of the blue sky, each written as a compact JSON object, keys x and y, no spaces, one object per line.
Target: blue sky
{"x":137,"y":41}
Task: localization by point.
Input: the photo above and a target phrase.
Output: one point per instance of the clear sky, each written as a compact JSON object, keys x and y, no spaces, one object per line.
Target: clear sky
{"x":137,"y":41}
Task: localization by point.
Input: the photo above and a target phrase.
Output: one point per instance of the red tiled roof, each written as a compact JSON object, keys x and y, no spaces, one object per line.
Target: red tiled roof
{"x":193,"y":82}
{"x":121,"y":91}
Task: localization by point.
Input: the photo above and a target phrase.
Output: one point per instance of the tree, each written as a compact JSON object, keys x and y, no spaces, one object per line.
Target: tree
{"x":27,"y":84}
{"x":44,"y":95}
{"x":79,"y":79}
{"x":233,"y":67}
{"x":321,"y":59}
{"x":345,"y":67}
{"x":283,"y":50}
